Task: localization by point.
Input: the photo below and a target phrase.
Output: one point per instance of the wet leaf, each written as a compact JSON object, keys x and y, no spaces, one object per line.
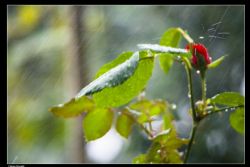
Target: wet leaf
{"x":124,"y":125}
{"x":97,"y":123}
{"x":228,"y":99}
{"x":237,"y":120}
{"x":119,"y":60}
{"x":73,"y":107}
{"x":125,"y":92}
{"x":170,"y":38}
{"x":113,"y":77}
{"x":163,"y":49}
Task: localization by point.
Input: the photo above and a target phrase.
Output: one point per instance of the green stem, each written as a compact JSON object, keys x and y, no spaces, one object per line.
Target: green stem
{"x":204,"y":91}
{"x":190,"y":142}
{"x":195,"y":121}
{"x":190,"y":87}
{"x":224,"y":109}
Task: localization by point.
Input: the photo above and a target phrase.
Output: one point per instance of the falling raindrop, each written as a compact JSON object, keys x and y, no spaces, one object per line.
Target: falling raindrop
{"x":174,"y":106}
{"x":232,"y":108}
{"x":226,"y":110}
{"x":209,"y":111}
{"x":201,"y":37}
{"x":158,"y":151}
{"x":189,"y":95}
{"x":198,"y":72}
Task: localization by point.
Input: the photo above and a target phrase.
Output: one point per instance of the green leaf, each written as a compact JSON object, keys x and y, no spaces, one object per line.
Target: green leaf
{"x":153,"y":107}
{"x":174,"y":157}
{"x":141,"y":106}
{"x":140,"y":159}
{"x":113,"y":77}
{"x":97,"y":123}
{"x":152,"y":154}
{"x":166,"y":62}
{"x":216,"y":62}
{"x":167,"y":120}
{"x":162,"y":135}
{"x":163,"y":49}
{"x":73,"y":107}
{"x":171,"y":37}
{"x":125,"y":92}
{"x":228,"y":99}
{"x":148,"y":109}
{"x":159,"y":153}
{"x":237,"y":120}
{"x":143,"y":118}
{"x":124,"y":125}
{"x":119,"y":60}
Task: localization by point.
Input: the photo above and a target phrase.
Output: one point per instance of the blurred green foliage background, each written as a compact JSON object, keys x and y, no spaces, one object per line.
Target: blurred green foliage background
{"x":38,"y":42}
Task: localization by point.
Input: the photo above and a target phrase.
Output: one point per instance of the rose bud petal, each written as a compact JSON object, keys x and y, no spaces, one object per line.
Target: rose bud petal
{"x":200,"y":57}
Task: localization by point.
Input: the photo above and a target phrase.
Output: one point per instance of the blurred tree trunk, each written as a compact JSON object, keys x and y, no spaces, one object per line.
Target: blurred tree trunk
{"x":74,"y":81}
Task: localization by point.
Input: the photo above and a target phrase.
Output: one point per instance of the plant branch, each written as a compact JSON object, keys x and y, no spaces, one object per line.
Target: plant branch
{"x":185,"y":35}
{"x":204,"y":91}
{"x":195,"y":121}
{"x":190,"y":142}
{"x":190,"y":87}
{"x":141,"y":125}
{"x":223,"y":109}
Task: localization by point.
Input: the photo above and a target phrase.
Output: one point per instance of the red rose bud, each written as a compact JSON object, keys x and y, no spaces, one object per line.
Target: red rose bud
{"x":200,"y":57}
